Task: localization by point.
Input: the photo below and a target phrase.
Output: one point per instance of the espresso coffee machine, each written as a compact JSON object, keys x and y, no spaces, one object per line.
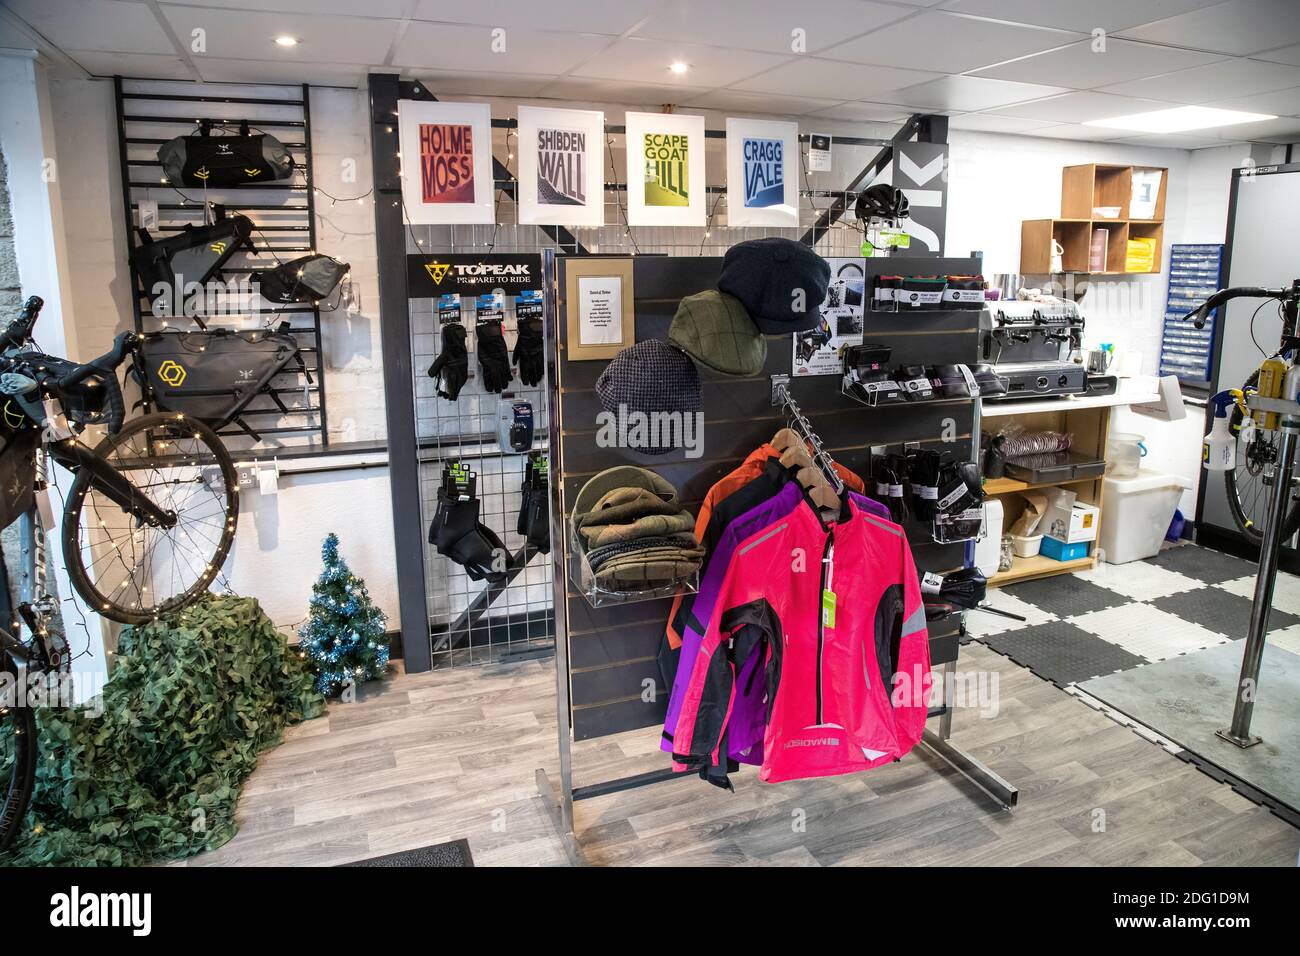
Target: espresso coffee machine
{"x":1029,"y":344}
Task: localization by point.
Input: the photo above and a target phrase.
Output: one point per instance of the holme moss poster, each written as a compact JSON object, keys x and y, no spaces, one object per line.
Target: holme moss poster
{"x":762,"y":185}
{"x":665,"y":170}
{"x":561,"y":168}
{"x":446,"y":161}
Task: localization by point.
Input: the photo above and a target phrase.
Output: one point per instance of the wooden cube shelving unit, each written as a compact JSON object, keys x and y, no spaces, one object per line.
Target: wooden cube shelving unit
{"x":1084,"y":189}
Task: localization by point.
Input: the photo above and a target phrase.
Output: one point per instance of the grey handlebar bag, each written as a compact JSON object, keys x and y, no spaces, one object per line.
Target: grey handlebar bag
{"x":214,"y":374}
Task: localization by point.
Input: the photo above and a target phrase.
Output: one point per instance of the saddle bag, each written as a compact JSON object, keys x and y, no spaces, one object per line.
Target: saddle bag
{"x":232,"y":159}
{"x":214,"y":374}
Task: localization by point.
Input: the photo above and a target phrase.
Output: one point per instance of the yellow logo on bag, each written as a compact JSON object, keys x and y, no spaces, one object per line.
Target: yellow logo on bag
{"x":250,"y":173}
{"x":201,"y":173}
{"x":14,"y":418}
{"x":218,"y":247}
{"x":437,"y":271}
{"x":173,"y":373}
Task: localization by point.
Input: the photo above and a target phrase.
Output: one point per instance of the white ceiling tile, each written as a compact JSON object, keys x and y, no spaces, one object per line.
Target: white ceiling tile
{"x":1283,"y":130}
{"x":570,"y":16}
{"x":1238,"y":26}
{"x":1195,"y":140}
{"x":865,"y":113}
{"x":947,"y":43}
{"x":239,"y":34}
{"x":994,"y":123}
{"x":636,"y":60}
{"x":1278,"y":103}
{"x":1078,"y":67}
{"x":390,"y":9}
{"x":1081,"y":107}
{"x":808,"y":76}
{"x":441,"y":47}
{"x":1235,"y":77}
{"x":972,"y":93}
{"x":736,"y":100}
{"x":1109,"y":15}
{"x":642,"y":95}
{"x":153,"y":65}
{"x":103,"y":25}
{"x":767,"y":24}
{"x":1286,"y":54}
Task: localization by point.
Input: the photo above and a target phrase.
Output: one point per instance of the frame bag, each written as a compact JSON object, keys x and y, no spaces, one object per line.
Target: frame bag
{"x":195,"y":254}
{"x":213,"y":375}
{"x":17,"y":465}
{"x":228,"y":160}
{"x":307,"y":279}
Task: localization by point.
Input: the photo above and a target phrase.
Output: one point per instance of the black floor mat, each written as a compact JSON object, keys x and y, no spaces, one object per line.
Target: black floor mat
{"x":1212,"y":567}
{"x":1221,"y":612}
{"x":1062,"y":653}
{"x":1066,"y":595}
{"x":455,"y":853}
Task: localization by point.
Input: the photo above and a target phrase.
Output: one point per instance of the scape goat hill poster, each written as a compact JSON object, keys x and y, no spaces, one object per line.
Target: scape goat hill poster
{"x":665,"y":170}
{"x":446,"y":161}
{"x":762,"y":188}
{"x":561,"y":167}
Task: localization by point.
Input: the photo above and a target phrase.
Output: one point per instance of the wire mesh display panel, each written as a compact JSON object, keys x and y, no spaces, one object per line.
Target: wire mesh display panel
{"x":470,"y":622}
{"x":151,"y":112}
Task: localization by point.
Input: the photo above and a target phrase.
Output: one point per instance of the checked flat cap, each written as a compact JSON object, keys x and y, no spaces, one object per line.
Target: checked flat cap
{"x":714,"y":329}
{"x":647,"y":378}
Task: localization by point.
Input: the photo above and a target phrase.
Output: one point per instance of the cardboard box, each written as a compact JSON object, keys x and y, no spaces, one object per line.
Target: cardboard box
{"x":1067,"y":519}
{"x":1060,"y":551}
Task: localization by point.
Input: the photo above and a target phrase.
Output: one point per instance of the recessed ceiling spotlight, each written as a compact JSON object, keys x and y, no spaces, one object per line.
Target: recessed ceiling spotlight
{"x":1180,"y":119}
{"x":286,"y":41}
{"x":679,"y":67}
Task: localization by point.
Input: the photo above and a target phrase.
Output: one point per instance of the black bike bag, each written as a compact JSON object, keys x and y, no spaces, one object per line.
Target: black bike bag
{"x":195,"y":254}
{"x":213,"y":375}
{"x":232,"y":159}
{"x":306,"y":279}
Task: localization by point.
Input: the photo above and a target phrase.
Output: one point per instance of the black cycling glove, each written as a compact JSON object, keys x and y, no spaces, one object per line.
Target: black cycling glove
{"x":528,"y":352}
{"x":451,"y":368}
{"x":493,"y":356}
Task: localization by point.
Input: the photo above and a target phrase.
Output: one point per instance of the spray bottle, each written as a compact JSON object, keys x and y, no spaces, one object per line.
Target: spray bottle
{"x":1219,"y":447}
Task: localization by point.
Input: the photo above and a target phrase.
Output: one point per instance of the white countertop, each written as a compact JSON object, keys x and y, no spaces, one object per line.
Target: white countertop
{"x":1132,"y":391}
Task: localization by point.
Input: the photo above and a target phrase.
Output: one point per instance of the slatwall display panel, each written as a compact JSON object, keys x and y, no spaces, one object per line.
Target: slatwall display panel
{"x":151,"y":112}
{"x":615,"y":679}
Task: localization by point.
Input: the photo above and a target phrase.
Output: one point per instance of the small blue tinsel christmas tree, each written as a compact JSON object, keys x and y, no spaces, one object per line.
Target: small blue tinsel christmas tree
{"x":344,"y":634}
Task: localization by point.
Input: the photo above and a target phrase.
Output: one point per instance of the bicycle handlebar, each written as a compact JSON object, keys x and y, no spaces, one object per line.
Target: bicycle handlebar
{"x":20,"y":329}
{"x":106,"y":367}
{"x":1201,"y":314}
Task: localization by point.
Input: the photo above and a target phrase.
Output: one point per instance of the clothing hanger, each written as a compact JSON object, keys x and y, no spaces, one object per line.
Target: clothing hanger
{"x":785,"y":438}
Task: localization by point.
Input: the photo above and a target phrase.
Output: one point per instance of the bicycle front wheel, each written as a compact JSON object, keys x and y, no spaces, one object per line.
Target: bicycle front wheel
{"x":17,"y":754}
{"x":1249,"y":484}
{"x":132,"y":571}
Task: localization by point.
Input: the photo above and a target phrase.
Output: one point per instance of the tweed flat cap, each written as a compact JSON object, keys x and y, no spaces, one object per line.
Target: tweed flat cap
{"x":625,"y":504}
{"x":621,"y":476}
{"x":764,"y":274}
{"x":714,"y":329}
{"x":645,"y":527}
{"x":647,"y":379}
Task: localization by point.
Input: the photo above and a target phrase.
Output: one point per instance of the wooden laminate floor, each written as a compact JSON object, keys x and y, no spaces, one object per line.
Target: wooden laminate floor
{"x":428,"y":758}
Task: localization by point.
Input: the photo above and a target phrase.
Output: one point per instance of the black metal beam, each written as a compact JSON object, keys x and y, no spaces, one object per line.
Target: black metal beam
{"x":835,"y":211}
{"x":395,"y":343}
{"x":479,"y":606}
{"x":505,"y":180}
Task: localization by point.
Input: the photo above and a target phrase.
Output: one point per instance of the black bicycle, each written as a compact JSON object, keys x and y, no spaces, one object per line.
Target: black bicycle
{"x":148,"y":520}
{"x":1247,"y":485}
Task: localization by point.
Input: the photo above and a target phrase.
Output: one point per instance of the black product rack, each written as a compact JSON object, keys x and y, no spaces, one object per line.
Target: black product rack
{"x":149,"y":113}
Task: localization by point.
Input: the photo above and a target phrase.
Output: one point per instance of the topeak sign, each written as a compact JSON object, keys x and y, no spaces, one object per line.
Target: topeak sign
{"x":435,"y":275}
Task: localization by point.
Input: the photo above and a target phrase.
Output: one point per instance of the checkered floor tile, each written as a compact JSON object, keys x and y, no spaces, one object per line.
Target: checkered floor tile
{"x":1118,"y":616}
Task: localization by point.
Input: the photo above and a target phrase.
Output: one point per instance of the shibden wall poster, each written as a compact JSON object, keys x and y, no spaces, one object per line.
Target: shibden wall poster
{"x":762,"y":188}
{"x":446,"y":161}
{"x":561,"y":167}
{"x":665,"y":170}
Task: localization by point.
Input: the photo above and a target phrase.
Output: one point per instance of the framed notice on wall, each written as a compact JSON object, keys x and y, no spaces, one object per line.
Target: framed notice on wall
{"x":665,"y":170}
{"x":446,"y":161}
{"x":762,"y":188}
{"x":561,"y":167}
{"x":598,"y":305}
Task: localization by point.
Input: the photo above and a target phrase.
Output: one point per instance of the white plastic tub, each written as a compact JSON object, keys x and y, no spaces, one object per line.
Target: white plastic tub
{"x":1026,"y":545}
{"x":1136,"y":513}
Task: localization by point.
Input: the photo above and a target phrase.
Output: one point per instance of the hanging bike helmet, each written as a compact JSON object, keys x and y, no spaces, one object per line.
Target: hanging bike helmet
{"x":882,"y":201}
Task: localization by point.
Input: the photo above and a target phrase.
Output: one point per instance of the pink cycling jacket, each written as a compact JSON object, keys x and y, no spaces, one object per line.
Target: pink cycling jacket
{"x":834,"y":613}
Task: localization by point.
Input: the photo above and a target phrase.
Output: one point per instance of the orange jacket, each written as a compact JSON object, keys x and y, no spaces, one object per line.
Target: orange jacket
{"x":749,"y":469}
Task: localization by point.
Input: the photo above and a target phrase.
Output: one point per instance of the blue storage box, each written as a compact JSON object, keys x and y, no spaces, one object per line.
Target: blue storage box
{"x":1058,"y":550}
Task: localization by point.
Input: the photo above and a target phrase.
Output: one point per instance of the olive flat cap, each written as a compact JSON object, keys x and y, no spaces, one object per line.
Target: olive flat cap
{"x":714,"y":329}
